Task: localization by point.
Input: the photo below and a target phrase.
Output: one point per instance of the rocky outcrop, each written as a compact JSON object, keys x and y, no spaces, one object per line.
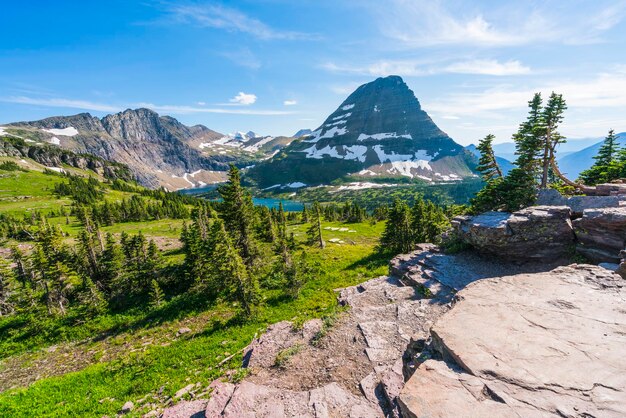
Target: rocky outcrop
{"x":252,"y":400}
{"x":153,"y":146}
{"x":577,"y":204}
{"x":543,"y":344}
{"x":52,"y":156}
{"x":601,"y":234}
{"x":534,"y":233}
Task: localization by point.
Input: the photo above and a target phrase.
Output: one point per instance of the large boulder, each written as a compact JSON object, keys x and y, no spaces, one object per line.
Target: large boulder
{"x":578,"y":204}
{"x":534,"y":233}
{"x":532,"y":345}
{"x":601,"y":234}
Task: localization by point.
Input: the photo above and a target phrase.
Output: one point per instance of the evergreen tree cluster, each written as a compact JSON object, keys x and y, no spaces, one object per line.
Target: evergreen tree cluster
{"x":610,"y":163}
{"x":224,"y":257}
{"x":536,"y":144}
{"x":95,"y":274}
{"x":410,"y":225}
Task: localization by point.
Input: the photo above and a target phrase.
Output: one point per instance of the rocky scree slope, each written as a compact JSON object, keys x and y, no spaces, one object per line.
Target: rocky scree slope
{"x":381,"y":131}
{"x":155,"y":147}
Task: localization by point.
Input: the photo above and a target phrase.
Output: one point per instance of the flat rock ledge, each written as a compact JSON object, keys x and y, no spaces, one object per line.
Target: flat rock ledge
{"x":529,"y":345}
{"x":443,"y":336}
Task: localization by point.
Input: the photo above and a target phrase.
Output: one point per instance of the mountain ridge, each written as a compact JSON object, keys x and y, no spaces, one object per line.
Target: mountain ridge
{"x":379,"y":130}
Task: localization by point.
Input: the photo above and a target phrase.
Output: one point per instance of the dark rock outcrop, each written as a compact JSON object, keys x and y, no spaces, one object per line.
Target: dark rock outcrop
{"x":534,"y":233}
{"x":601,"y":234}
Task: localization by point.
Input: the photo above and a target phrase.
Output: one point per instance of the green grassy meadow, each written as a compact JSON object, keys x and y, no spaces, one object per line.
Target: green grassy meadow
{"x":136,"y":355}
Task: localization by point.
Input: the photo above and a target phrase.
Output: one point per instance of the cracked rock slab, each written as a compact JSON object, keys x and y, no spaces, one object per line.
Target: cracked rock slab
{"x":542,"y":344}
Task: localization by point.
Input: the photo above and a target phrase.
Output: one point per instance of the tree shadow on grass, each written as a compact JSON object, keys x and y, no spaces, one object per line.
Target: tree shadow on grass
{"x":372,"y":261}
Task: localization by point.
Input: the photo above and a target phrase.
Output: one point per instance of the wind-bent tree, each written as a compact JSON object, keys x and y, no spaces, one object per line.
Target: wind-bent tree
{"x":552,"y":116}
{"x":487,"y":164}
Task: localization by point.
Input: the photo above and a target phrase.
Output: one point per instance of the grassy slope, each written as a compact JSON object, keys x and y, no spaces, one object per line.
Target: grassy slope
{"x":170,"y":362}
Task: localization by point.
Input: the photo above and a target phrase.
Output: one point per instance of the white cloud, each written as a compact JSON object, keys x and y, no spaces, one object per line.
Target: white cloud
{"x":431,"y":23}
{"x":408,"y":68}
{"x":67,"y":103}
{"x":100,"y":107}
{"x":605,"y":90}
{"x":290,"y":102}
{"x":244,"y":99}
{"x":232,"y":20}
{"x":201,"y":103}
{"x":488,"y":67}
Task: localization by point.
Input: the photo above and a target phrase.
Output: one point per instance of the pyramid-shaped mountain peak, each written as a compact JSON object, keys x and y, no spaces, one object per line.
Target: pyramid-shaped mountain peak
{"x":379,"y":130}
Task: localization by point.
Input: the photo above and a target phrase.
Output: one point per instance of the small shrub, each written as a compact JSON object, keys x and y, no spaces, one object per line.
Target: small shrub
{"x":283,"y":356}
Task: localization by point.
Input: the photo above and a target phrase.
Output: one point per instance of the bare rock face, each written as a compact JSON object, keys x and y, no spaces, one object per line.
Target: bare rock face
{"x":578,"y":204}
{"x":531,"y":345}
{"x":601,"y":234}
{"x":250,"y":400}
{"x":534,"y":233}
{"x":262,"y":352}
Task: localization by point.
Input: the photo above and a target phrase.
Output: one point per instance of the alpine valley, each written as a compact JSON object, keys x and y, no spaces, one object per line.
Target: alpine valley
{"x":378,"y":134}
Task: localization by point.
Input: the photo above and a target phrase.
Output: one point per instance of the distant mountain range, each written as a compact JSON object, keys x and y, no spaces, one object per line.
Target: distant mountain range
{"x":574,"y":163}
{"x":159,"y":150}
{"x":380,"y":131}
{"x":573,"y":156}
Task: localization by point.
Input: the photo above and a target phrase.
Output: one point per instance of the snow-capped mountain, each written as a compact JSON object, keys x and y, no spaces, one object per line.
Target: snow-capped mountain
{"x":379,"y":130}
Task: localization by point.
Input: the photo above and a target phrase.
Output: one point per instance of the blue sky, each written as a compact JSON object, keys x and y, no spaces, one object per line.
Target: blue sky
{"x":275,"y":66}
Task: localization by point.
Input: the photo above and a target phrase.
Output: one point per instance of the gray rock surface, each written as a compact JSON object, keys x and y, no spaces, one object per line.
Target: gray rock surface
{"x":552,"y":197}
{"x":601,"y":234}
{"x":544,"y":344}
{"x":534,"y":233}
{"x":250,"y":400}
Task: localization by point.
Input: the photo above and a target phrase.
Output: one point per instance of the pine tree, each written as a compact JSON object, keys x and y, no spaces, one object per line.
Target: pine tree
{"x":305,"y":214}
{"x":314,"y":233}
{"x":552,"y":116}
{"x":397,"y":236}
{"x":6,"y":307}
{"x":112,"y":264}
{"x":487,"y":165}
{"x":606,"y":166}
{"x":236,"y":281}
{"x":157,"y":297}
{"x":238,"y":216}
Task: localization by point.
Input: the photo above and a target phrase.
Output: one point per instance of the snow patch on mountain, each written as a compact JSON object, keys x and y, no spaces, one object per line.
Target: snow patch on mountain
{"x":346,"y":115}
{"x":382,"y":136}
{"x":55,"y":141}
{"x":347,"y":107}
{"x":69,"y":131}
{"x":367,"y":172}
{"x":404,"y":168}
{"x":353,"y":152}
